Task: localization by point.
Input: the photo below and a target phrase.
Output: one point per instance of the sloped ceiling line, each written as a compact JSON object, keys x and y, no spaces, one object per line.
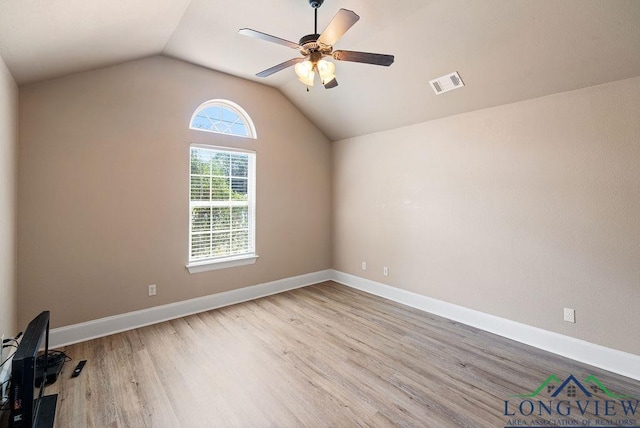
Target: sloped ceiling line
{"x":505,"y":51}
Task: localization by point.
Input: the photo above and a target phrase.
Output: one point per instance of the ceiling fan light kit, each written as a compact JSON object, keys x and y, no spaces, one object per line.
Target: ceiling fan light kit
{"x":315,"y":47}
{"x":306,"y":70}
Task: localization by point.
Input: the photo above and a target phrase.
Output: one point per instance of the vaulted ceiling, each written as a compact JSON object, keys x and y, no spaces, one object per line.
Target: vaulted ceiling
{"x":504,"y":50}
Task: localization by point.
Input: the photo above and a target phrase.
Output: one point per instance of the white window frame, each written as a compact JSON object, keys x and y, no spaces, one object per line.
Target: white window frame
{"x":223,"y":262}
{"x":229,"y":105}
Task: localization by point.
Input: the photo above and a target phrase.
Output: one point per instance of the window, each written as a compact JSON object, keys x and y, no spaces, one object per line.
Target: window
{"x":223,"y":117}
{"x":222,"y":208}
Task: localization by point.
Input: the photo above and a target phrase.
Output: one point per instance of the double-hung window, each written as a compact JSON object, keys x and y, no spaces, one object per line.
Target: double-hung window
{"x":222,"y":208}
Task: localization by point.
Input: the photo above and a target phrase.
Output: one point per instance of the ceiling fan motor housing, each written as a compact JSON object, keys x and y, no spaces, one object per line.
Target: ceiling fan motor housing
{"x":309,"y":44}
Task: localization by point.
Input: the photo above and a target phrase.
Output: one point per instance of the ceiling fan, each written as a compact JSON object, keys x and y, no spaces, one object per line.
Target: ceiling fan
{"x":315,"y":47}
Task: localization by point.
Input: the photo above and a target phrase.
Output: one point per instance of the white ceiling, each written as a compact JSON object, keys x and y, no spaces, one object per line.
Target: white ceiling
{"x":504,"y":50}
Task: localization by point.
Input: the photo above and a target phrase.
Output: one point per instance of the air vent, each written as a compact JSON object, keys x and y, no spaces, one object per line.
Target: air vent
{"x":446,"y":83}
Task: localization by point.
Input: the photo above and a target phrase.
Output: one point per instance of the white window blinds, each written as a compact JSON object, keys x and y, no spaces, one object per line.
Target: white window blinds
{"x":222,"y":203}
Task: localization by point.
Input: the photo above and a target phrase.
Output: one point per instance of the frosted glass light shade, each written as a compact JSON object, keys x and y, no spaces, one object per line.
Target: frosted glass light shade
{"x":326,"y":70}
{"x":308,"y":79}
{"x":305,"y":73}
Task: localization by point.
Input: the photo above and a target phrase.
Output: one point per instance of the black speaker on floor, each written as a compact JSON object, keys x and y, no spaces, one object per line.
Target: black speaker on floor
{"x":55,"y":361}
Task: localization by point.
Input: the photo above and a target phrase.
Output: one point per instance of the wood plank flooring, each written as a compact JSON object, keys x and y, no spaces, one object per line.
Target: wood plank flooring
{"x":320,"y":356}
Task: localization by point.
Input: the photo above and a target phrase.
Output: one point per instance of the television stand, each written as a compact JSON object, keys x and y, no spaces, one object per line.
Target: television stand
{"x":47,"y":411}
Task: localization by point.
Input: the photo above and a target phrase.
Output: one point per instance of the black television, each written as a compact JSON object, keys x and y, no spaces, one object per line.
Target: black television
{"x":29,"y":406}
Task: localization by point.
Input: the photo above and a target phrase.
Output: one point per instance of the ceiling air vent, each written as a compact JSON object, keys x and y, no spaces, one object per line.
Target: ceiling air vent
{"x":446,"y":83}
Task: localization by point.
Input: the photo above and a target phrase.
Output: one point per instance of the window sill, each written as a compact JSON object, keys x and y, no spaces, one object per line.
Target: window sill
{"x":227,"y":262}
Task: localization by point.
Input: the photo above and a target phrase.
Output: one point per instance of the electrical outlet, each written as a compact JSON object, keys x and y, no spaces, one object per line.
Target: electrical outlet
{"x":152,"y":290}
{"x":364,"y":265}
{"x":569,"y":315}
{"x":385,"y":271}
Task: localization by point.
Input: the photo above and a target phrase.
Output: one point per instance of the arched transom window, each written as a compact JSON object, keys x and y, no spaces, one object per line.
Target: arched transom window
{"x":223,"y":117}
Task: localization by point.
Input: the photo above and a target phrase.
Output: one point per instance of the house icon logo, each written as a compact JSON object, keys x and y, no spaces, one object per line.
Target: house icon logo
{"x":572,"y":403}
{"x":571,"y":386}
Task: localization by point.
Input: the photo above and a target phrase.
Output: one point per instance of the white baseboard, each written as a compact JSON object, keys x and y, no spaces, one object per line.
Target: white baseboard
{"x":605,"y":358}
{"x":76,"y":333}
{"x":599,"y":356}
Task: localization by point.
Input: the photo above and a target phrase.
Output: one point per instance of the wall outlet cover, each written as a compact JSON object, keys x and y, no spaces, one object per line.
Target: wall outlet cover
{"x":569,"y":315}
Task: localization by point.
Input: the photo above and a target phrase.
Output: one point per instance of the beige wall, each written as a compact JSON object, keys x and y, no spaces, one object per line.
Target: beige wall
{"x":103,"y":189}
{"x":8,"y":204}
{"x":516,"y":211}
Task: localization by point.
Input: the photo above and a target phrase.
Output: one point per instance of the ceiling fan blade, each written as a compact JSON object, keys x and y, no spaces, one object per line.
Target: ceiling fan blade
{"x":268,"y":72}
{"x":339,"y":25}
{"x":365,"y":57}
{"x":332,"y":84}
{"x":269,"y":38}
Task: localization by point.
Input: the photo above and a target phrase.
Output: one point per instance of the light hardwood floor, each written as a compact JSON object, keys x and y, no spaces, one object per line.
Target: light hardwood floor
{"x":324,"y":355}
